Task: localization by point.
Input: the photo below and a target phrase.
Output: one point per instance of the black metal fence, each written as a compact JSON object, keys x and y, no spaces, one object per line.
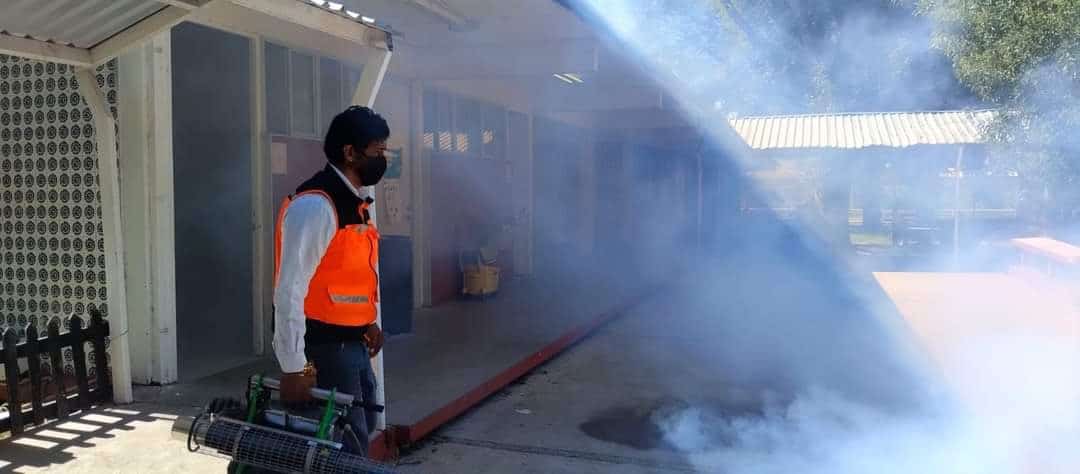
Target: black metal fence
{"x":54,"y":394}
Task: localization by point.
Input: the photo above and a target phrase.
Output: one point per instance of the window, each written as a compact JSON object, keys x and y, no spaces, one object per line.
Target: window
{"x":329,"y":91}
{"x":464,"y":126}
{"x":430,"y":118}
{"x":493,"y":133}
{"x":305,"y":91}
{"x":302,"y":72}
{"x":351,"y":78}
{"x":277,"y":89}
{"x":467,"y":113}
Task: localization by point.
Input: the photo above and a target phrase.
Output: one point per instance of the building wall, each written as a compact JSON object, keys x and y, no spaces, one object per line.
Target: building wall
{"x":304,"y":93}
{"x":52,"y":261}
{"x":474,"y":171}
{"x":394,"y":195}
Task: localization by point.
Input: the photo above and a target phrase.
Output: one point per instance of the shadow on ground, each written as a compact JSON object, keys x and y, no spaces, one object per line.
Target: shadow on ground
{"x":133,"y":438}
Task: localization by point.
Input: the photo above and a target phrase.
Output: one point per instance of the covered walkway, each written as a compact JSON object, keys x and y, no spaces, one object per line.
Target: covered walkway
{"x":219,"y":107}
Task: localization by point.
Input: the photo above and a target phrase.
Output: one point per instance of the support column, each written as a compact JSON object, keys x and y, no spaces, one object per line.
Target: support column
{"x":959,"y":173}
{"x":262,"y":209}
{"x":520,"y":151}
{"x":366,"y":92}
{"x":371,"y":78}
{"x":146,"y":162}
{"x":530,"y":254}
{"x":420,"y":207}
{"x":109,"y":175}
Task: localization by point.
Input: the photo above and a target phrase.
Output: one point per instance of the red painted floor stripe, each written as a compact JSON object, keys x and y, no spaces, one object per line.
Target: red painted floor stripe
{"x":462,"y":404}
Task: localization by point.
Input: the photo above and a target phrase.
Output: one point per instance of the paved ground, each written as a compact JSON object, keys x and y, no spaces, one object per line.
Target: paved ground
{"x":682,"y":385}
{"x":459,"y":345}
{"x":722,"y":346}
{"x":585,"y":412}
{"x":472,"y":340}
{"x":788,"y":365}
{"x":132,"y":439}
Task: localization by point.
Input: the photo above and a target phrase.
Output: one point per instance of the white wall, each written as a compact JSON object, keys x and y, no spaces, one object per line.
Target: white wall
{"x":395,"y":198}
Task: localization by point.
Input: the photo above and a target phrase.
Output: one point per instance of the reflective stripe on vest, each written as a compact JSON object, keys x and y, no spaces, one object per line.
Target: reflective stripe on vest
{"x":345,"y":287}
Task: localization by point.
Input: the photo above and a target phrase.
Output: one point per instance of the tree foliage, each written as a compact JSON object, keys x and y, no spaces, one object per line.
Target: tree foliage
{"x":1024,"y":57}
{"x":838,"y":56}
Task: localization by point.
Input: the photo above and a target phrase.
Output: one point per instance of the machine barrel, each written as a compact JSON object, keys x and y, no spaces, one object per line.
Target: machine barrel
{"x":269,"y":448}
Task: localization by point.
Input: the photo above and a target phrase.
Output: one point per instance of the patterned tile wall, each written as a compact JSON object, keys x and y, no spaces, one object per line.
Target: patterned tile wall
{"x":51,"y":238}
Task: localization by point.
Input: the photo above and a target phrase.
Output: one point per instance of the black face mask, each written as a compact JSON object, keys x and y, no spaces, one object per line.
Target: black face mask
{"x":372,"y":169}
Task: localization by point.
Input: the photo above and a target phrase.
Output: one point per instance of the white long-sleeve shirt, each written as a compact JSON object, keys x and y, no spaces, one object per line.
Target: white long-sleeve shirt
{"x":308,"y":226}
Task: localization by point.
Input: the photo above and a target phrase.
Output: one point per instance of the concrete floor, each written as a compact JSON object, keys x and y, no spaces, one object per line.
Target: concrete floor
{"x":713,"y":344}
{"x":454,"y":348}
{"x":132,"y":439}
{"x":459,"y":345}
{"x":543,"y":423}
{"x":717,"y":347}
{"x":722,"y":373}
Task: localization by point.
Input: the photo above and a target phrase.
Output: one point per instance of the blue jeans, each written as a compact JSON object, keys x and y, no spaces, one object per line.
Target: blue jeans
{"x":347,"y":368}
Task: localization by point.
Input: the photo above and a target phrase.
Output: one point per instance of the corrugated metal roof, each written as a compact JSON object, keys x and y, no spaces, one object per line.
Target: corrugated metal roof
{"x":892,"y":129}
{"x":78,"y":23}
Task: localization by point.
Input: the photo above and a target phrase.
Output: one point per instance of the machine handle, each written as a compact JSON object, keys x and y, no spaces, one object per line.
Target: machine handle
{"x":320,"y":394}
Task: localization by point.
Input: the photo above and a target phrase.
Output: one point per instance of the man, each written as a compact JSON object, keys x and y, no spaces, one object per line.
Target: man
{"x":326,"y":284}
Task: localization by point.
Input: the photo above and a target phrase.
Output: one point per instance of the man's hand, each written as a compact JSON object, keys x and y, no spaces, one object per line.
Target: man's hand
{"x":296,"y":387}
{"x":374,"y":338}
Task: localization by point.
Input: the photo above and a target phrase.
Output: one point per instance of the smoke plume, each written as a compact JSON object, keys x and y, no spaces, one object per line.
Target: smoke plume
{"x":1002,"y":401}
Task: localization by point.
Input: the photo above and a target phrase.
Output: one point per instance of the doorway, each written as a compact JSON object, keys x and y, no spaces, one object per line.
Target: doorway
{"x":212,"y":151}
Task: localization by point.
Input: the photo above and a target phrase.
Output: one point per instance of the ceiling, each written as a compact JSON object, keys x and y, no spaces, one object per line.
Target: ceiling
{"x":422,"y":23}
{"x":512,"y":49}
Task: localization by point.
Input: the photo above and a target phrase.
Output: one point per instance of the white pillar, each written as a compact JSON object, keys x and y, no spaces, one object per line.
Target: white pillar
{"x":420,"y":207}
{"x":371,"y":78}
{"x":521,"y":146}
{"x":956,"y":205}
{"x":366,"y":92}
{"x":109,"y":175}
{"x":262,"y":210}
{"x":146,"y":163}
{"x":519,"y":153}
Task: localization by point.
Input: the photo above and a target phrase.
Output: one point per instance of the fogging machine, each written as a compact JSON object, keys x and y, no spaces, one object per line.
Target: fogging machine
{"x":255,"y":434}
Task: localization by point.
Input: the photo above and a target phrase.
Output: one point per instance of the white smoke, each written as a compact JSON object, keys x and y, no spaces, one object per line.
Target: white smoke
{"x":1007,"y":397}
{"x":1015,"y":413}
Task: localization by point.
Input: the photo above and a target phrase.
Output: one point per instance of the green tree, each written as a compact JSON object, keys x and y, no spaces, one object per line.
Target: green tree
{"x":1024,"y":57}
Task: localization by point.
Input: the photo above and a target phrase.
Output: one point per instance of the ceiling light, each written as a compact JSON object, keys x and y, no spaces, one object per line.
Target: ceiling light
{"x":319,"y":2}
{"x":367,"y":19}
{"x":570,"y":78}
{"x":563,"y":78}
{"x":335,"y":6}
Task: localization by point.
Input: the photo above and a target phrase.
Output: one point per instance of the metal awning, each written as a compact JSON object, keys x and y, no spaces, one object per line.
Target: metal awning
{"x":87,"y":33}
{"x":853,"y":131}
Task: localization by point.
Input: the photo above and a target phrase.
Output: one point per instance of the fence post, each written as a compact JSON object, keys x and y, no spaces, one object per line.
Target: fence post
{"x":99,"y":331}
{"x":78,"y":350}
{"x":33,"y":359}
{"x":11,"y":369}
{"x":57,"y":359}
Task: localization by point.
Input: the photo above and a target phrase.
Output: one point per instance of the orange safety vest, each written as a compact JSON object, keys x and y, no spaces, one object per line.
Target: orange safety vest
{"x":345,"y":287}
